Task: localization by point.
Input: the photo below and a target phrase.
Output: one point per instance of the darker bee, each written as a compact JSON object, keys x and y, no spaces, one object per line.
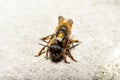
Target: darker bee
{"x":57,"y":52}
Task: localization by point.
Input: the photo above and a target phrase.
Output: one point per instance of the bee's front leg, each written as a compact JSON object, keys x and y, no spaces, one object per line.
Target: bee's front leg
{"x":70,"y":56}
{"x":47,"y":37}
{"x":47,"y":54}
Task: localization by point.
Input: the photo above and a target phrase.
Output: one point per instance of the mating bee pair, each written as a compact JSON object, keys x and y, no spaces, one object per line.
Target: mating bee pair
{"x":60,"y":43}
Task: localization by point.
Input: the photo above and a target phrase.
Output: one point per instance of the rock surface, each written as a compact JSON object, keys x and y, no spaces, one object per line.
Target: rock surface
{"x":96,"y":24}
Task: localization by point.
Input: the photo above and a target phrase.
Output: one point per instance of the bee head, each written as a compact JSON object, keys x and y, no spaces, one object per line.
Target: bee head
{"x":55,"y":49}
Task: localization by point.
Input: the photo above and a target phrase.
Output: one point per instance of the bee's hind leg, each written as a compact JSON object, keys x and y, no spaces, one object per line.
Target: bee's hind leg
{"x":39,"y":52}
{"x":65,"y":60}
{"x":70,"y":56}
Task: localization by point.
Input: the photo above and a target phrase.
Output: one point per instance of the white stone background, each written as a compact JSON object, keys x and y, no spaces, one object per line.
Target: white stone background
{"x":96,"y":24}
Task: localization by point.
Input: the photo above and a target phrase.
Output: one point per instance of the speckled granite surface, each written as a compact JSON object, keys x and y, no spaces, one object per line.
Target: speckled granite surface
{"x":96,"y":24}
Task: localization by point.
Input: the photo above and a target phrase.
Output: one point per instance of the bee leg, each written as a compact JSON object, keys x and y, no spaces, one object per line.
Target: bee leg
{"x":65,"y":60}
{"x":73,"y":46}
{"x":75,"y":41}
{"x":47,"y":37}
{"x":47,"y":55}
{"x":71,"y":57}
{"x":44,"y":40}
{"x":39,"y":52}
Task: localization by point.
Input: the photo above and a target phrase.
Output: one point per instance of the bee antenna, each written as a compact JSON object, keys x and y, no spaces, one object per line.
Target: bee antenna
{"x":43,"y":45}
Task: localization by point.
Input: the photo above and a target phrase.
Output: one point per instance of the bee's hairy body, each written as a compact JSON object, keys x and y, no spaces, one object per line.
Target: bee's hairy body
{"x":60,"y":43}
{"x":56,"y":51}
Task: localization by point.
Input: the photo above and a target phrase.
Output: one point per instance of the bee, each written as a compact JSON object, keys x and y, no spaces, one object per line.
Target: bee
{"x":60,"y":42}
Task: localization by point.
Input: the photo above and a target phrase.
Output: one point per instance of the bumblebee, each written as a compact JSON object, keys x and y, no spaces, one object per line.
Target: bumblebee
{"x":60,"y":43}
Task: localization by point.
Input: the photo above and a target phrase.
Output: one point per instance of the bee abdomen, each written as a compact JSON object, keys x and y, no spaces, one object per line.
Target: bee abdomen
{"x":55,"y":58}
